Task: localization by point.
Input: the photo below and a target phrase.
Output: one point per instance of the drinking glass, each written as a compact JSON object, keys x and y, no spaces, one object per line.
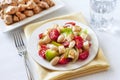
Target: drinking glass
{"x":101,"y":13}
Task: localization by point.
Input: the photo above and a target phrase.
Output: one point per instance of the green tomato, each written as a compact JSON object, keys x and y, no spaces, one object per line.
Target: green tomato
{"x":50,"y":54}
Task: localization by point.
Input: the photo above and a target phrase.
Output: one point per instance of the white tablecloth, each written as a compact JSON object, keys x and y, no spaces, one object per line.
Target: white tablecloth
{"x":11,"y":65}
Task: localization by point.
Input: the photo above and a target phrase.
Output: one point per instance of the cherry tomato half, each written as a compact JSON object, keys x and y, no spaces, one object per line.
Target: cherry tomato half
{"x":63,"y":60}
{"x":42,"y":52}
{"x":84,"y":55}
{"x":78,"y":41}
{"x":40,"y":35}
{"x":54,"y":33}
{"x":71,"y":23}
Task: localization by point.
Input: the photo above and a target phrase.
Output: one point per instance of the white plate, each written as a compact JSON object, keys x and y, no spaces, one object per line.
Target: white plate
{"x":5,"y":28}
{"x":33,"y":47}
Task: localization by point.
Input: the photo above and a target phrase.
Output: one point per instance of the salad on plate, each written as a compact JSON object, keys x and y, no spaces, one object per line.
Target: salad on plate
{"x":64,"y":44}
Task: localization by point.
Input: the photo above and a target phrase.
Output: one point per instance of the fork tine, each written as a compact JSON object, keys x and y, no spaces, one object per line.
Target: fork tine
{"x":18,"y":40}
{"x":21,"y":40}
{"x":15,"y":39}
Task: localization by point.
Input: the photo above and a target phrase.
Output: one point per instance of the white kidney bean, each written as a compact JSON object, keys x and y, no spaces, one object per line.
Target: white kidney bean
{"x":46,"y":33}
{"x":88,"y":37}
{"x":76,"y":28}
{"x":49,"y":29}
{"x":76,"y":55}
{"x":61,"y":27}
{"x":58,"y":28}
{"x":41,"y":42}
{"x":72,"y":44}
{"x":46,"y":39}
{"x":55,"y":25}
{"x":83,"y":35}
{"x":55,"y":60}
{"x":75,"y":33}
{"x":86,"y":45}
{"x":53,"y":47}
{"x":61,"y":38}
{"x":72,"y":53}
{"x":70,"y":37}
{"x":61,"y":49}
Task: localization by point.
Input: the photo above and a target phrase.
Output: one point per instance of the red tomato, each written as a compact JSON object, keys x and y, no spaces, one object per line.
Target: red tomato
{"x":43,"y":46}
{"x":42,"y":52}
{"x":66,"y":44}
{"x":69,"y":59}
{"x":63,"y":60}
{"x":84,"y":55}
{"x":40,"y":35}
{"x":78,"y":41}
{"x":54,"y":33}
{"x":71,"y":23}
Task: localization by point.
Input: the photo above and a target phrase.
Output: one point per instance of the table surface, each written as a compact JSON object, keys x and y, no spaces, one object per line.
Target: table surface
{"x":11,"y":65}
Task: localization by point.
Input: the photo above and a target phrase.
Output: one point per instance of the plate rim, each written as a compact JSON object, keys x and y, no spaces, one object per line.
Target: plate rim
{"x":67,"y":20}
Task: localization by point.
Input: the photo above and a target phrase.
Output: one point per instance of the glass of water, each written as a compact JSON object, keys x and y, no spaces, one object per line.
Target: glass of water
{"x":101,"y":12}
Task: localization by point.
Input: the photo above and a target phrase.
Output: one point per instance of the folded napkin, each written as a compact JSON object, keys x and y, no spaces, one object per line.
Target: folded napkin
{"x":98,"y":64}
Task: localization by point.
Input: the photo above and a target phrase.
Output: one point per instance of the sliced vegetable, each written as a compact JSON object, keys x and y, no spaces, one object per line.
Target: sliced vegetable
{"x":76,"y":55}
{"x":50,"y":54}
{"x":56,"y":43}
{"x":66,"y":31}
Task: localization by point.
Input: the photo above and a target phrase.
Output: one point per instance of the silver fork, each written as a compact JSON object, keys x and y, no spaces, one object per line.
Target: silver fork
{"x":19,"y":43}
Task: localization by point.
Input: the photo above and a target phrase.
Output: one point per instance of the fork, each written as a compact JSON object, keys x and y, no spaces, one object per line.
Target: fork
{"x":21,"y":48}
